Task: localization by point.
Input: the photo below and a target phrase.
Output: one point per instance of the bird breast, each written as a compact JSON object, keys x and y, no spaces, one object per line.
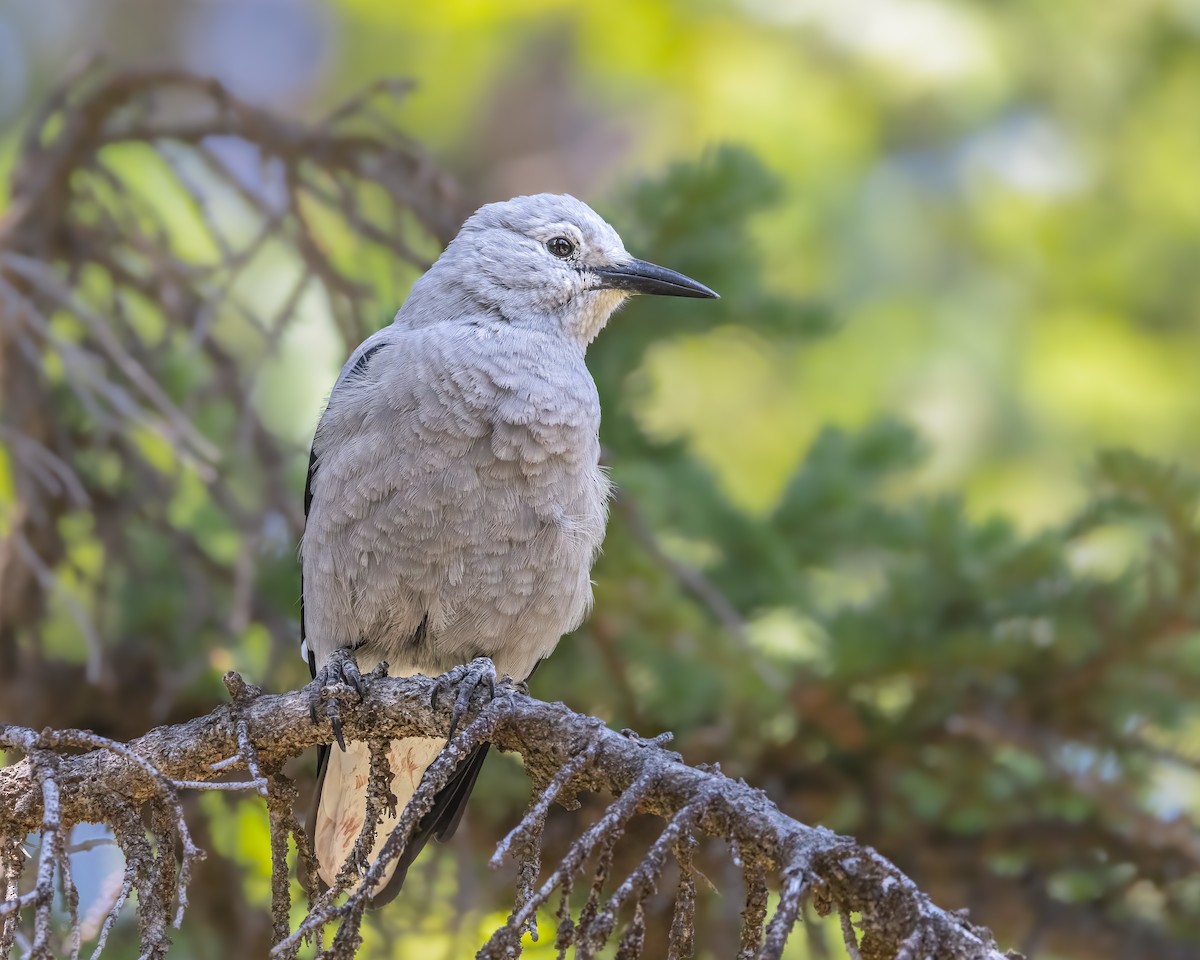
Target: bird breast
{"x":458,"y":487}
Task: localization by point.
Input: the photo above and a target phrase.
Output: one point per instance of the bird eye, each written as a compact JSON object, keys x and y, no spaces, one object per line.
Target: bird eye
{"x":561,"y":247}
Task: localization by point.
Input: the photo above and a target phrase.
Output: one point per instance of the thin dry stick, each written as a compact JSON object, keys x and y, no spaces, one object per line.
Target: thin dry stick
{"x":535,"y":816}
{"x":70,"y":895}
{"x":754,"y":912}
{"x":11,"y":857}
{"x":634,"y":938}
{"x":849,"y":935}
{"x":641,"y":883}
{"x":526,"y":836}
{"x":114,"y":911}
{"x":795,"y":881}
{"x":281,"y":795}
{"x":379,"y":799}
{"x":681,"y":944}
{"x":609,"y":826}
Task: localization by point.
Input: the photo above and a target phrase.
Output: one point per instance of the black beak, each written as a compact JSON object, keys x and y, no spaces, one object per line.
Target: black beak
{"x":638,"y":276}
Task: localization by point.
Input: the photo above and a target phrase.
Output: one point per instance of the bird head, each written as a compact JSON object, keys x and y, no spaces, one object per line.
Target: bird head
{"x":550,"y":261}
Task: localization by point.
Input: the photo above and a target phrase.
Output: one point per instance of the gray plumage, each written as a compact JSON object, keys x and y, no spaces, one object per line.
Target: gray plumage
{"x":456,"y":502}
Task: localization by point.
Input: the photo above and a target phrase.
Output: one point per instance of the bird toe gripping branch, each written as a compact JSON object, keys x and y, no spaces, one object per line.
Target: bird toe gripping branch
{"x":339,"y":676}
{"x":476,"y":677}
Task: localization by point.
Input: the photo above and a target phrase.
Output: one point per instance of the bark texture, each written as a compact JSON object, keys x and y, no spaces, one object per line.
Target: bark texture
{"x":564,"y":753}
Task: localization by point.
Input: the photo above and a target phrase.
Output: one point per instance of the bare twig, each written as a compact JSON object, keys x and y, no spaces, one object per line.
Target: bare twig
{"x":83,"y":240}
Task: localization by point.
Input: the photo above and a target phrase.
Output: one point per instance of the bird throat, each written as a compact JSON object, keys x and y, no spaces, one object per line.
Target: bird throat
{"x":589,"y":312}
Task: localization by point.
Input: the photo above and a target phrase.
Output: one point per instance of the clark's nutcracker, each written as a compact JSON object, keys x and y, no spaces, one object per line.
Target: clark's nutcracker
{"x":455,"y":502}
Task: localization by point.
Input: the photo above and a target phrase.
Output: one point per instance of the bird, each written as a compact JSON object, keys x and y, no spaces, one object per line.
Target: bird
{"x":455,"y":500}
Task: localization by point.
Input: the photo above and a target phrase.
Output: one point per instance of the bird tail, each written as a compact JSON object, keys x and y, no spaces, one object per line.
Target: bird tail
{"x":341,"y":801}
{"x":339,"y":805}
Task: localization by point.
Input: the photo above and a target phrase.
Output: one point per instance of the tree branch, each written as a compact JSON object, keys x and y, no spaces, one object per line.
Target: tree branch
{"x":564,"y":753}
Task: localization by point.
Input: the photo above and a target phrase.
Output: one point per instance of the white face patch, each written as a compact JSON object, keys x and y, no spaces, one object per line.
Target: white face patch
{"x":589,"y":312}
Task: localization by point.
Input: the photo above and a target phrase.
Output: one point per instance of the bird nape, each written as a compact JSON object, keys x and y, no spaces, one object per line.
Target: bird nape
{"x":455,"y":501}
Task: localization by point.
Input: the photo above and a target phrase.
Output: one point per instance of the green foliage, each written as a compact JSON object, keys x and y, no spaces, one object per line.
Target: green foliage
{"x":950,"y":271}
{"x":974,"y":684}
{"x":948,"y":688}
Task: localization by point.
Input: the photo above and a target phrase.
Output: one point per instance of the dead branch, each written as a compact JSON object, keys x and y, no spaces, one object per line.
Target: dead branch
{"x":564,"y":753}
{"x":107,"y":286}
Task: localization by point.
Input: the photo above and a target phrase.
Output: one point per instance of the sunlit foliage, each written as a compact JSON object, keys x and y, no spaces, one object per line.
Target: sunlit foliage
{"x":956,"y":247}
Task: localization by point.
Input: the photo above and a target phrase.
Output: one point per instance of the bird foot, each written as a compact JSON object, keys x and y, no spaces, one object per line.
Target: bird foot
{"x":340,"y":670}
{"x":466,"y":679}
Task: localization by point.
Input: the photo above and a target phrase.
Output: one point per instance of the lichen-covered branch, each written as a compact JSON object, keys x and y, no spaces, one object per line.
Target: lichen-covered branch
{"x":565,"y":753}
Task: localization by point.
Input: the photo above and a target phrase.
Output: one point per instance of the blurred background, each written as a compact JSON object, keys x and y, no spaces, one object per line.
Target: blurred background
{"x":909,"y":523}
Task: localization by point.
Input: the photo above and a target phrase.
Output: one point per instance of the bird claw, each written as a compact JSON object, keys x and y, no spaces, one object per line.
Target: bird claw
{"x":466,"y":678}
{"x":339,"y":669}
